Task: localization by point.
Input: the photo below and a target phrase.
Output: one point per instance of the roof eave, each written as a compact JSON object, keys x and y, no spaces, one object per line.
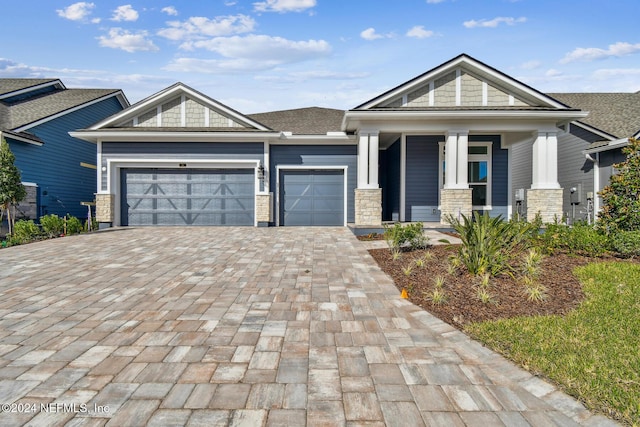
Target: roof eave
{"x":164,"y":136}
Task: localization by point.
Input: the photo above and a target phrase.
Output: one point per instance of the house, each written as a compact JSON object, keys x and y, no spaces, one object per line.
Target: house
{"x":57,"y":170}
{"x":591,"y":146}
{"x":440,"y":144}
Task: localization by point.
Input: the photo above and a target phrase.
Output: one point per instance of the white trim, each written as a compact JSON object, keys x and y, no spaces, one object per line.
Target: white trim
{"x":19,"y":138}
{"x":29,"y":184}
{"x":183,"y":110}
{"x":279,"y":168}
{"x":403,"y":176}
{"x":509,"y":178}
{"x":485,"y":93}
{"x":56,"y":82}
{"x":471,"y":65}
{"x":170,"y":93}
{"x":163,"y":136}
{"x":458,"y":87}
{"x":158,"y":116}
{"x":69,"y":111}
{"x":512,"y":100}
{"x":206,"y":116}
{"x":99,"y":164}
{"x":267,"y":166}
{"x":432,"y":93}
{"x":596,"y":186}
{"x":114,"y":166}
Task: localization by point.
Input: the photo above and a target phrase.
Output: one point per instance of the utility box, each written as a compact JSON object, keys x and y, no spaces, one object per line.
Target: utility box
{"x":575,"y":194}
{"x":520,"y":195}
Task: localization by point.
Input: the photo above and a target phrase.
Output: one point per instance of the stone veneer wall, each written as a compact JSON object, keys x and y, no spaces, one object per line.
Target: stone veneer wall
{"x":263,"y":208}
{"x":105,"y":204}
{"x":546,"y":202}
{"x":455,"y":202}
{"x":368,"y":206}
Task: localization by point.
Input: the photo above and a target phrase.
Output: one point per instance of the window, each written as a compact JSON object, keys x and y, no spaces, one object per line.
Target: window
{"x":479,"y":173}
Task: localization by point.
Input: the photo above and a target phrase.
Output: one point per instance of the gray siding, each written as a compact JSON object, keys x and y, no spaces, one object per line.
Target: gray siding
{"x":421,"y":182}
{"x":575,"y":170}
{"x":170,"y":150}
{"x":606,"y":161}
{"x":318,"y":155}
{"x":521,"y":170}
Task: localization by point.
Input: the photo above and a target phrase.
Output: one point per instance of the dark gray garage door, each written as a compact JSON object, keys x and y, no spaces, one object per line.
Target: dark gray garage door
{"x":311,"y":197}
{"x":187,"y":196}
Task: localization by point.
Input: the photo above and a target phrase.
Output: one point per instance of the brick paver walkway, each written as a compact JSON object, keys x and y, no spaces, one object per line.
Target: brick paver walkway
{"x":241,"y":327}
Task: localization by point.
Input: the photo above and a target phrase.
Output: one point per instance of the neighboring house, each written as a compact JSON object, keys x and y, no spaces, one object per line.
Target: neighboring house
{"x":58,"y":171}
{"x":440,"y":144}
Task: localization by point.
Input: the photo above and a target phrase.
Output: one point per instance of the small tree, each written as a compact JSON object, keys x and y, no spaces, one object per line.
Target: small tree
{"x":620,"y":199}
{"x":11,"y":189}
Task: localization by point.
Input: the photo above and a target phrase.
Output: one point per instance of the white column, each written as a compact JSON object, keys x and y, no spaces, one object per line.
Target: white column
{"x":545,"y":161}
{"x":368,"y":146}
{"x":374,"y":146}
{"x":456,"y":159}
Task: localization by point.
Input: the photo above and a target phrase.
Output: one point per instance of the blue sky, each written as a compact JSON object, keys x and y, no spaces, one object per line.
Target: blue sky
{"x":267,"y":55}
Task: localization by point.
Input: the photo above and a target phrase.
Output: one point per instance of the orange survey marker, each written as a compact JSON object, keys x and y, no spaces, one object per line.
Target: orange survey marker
{"x":404,"y":294}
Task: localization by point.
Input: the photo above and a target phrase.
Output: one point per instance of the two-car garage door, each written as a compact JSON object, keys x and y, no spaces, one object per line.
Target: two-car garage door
{"x":227,"y":197}
{"x":187,"y":196}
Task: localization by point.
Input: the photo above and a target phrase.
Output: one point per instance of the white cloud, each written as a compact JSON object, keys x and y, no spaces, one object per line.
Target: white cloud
{"x":300,"y":76}
{"x":370,"y":34}
{"x":262,"y":47}
{"x":249,"y":53}
{"x":419,"y":32}
{"x":493,"y":23}
{"x":127,"y":41}
{"x":77,"y":11}
{"x":198,"y":27}
{"x":125,"y":13}
{"x":283,"y":6}
{"x":434,"y":1}
{"x":594,"y":53}
{"x":170,"y":10}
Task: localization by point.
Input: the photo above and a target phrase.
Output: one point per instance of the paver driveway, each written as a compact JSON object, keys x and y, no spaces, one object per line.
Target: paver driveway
{"x":240,"y":326}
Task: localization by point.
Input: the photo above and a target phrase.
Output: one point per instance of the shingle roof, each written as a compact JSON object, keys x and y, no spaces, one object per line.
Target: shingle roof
{"x":303,"y":121}
{"x":615,"y":113}
{"x":41,"y":107}
{"x":12,"y":85}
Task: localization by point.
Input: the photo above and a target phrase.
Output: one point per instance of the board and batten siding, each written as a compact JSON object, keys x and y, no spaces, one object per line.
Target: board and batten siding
{"x":317,"y":155}
{"x":55,"y":166}
{"x":179,"y":150}
{"x":421,"y":180}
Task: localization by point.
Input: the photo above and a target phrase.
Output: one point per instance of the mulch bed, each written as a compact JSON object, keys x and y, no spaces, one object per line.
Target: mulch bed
{"x":462,"y":306}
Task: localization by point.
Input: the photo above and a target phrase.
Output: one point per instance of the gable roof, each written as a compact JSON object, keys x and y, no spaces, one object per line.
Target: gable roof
{"x":36,"y":110}
{"x":617,"y":114}
{"x":8,"y":87}
{"x":525,"y":96}
{"x":303,"y":121}
{"x":126,"y":117}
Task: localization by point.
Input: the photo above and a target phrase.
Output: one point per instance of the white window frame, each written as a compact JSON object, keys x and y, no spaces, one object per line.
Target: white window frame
{"x":471,"y":158}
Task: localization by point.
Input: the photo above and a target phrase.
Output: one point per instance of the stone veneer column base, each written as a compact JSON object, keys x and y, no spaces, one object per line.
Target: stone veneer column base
{"x":368,"y":204}
{"x":105,"y":205}
{"x":546,"y":202}
{"x":263,"y":209}
{"x":455,"y":202}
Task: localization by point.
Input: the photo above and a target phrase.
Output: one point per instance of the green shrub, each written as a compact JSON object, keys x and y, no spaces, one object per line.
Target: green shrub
{"x":25,"y":231}
{"x":52,"y":225}
{"x":74,"y":225}
{"x":626,"y":243}
{"x":579,"y":239}
{"x":490,"y":245}
{"x":398,"y":235}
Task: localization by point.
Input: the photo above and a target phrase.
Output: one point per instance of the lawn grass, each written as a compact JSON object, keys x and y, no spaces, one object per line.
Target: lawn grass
{"x":593,"y":353}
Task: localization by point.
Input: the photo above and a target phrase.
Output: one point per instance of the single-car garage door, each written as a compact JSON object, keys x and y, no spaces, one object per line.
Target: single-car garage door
{"x":187,"y":196}
{"x":312,"y":197}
